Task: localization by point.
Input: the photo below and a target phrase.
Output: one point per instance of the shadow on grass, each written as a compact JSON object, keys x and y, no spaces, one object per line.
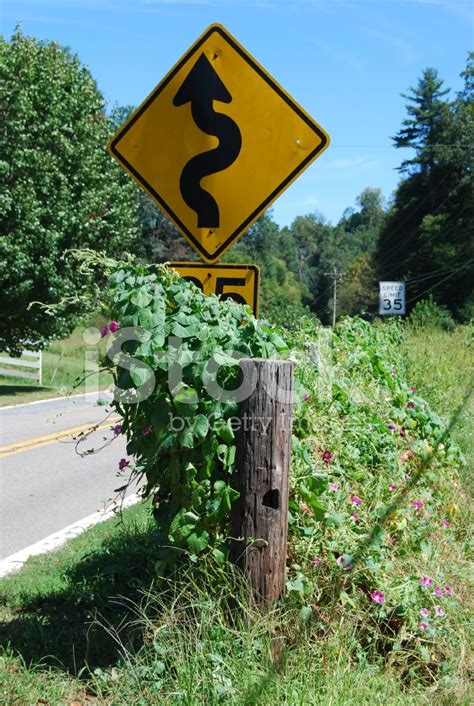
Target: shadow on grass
{"x":18,"y":389}
{"x":60,"y":627}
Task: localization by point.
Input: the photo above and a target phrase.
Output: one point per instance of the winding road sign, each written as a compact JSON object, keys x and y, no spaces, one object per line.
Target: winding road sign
{"x":230,"y":281}
{"x":216,"y":142}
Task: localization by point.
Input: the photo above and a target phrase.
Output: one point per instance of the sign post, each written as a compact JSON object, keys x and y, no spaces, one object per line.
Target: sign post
{"x":214,"y":144}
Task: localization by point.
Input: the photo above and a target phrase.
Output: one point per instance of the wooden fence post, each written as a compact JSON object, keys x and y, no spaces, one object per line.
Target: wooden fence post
{"x":259,"y":519}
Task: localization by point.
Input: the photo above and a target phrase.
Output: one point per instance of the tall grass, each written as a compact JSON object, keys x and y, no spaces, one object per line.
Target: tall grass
{"x":94,"y":623}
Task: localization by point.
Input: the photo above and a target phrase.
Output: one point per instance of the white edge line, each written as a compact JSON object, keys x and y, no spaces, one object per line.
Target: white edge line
{"x":14,"y":562}
{"x":55,"y":399}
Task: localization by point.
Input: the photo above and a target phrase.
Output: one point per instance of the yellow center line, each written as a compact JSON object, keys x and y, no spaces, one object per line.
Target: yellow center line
{"x":39,"y":441}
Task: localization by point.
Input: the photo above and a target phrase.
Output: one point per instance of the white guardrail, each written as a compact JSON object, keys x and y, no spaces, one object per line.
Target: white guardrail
{"x":32,"y":360}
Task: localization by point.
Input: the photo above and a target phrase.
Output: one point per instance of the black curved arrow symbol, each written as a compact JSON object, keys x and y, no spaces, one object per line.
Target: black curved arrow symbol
{"x":201,"y":87}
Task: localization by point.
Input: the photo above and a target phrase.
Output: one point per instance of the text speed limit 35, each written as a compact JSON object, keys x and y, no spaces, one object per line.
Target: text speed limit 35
{"x":230,"y":281}
{"x":392,"y":298}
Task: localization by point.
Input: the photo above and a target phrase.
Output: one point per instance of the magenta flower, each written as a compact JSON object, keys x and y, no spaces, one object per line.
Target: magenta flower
{"x":448,"y":591}
{"x":377,"y":597}
{"x":402,"y":432}
{"x":439,"y":612}
{"x":425,"y":613}
{"x":417,"y":504}
{"x":426,"y":581}
{"x":117,"y":429}
{"x":123,"y":463}
{"x":438,"y":591}
{"x":446,"y":523}
{"x":410,"y":405}
{"x":104,"y":330}
{"x":333,"y":486}
{"x":327,"y":456}
{"x":391,"y":487}
{"x":423,"y":626}
{"x":316,"y":561}
{"x":355,"y":499}
{"x":355,"y":516}
{"x":146,"y":431}
{"x":305,"y":397}
{"x":114,"y":326}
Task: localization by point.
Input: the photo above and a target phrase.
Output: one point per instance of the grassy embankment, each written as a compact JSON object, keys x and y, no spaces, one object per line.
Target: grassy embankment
{"x":63,"y":371}
{"x":88,"y":623}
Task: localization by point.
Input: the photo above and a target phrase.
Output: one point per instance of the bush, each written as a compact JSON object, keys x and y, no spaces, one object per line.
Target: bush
{"x":175,"y":396}
{"x":427,"y":313}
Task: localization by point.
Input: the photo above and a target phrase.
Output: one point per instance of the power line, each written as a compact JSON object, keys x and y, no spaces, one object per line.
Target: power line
{"x":418,"y":296}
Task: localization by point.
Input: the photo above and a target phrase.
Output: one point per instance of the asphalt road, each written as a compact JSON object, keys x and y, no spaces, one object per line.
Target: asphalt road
{"x":45,"y":484}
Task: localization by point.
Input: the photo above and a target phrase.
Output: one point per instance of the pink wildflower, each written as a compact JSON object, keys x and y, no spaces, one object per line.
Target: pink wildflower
{"x":355,"y":499}
{"x":123,"y":463}
{"x":448,"y":590}
{"x":327,"y":456}
{"x":333,"y":486}
{"x":438,"y":591}
{"x":146,"y":431}
{"x":425,"y":613}
{"x":117,"y":429}
{"x":377,"y":597}
{"x":423,"y":626}
{"x":345,"y":565}
{"x":446,"y":523}
{"x":305,"y":397}
{"x":355,"y":516}
{"x":426,"y":581}
{"x":413,"y":389}
{"x":104,"y":330}
{"x":114,"y":326}
{"x":391,"y":487}
{"x":410,"y":405}
{"x":439,"y":612}
{"x":402,"y":432}
{"x":417,"y":504}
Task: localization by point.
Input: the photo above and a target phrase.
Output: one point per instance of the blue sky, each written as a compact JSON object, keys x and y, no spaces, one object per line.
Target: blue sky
{"x":345,"y":61}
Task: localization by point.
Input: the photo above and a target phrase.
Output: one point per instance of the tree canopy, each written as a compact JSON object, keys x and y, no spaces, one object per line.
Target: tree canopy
{"x":58,"y":187}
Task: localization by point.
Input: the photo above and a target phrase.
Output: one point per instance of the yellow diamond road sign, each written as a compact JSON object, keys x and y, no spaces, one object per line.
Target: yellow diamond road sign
{"x":216,"y":142}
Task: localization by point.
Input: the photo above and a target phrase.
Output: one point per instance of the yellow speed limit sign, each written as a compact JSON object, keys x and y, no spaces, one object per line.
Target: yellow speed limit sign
{"x":237,"y":282}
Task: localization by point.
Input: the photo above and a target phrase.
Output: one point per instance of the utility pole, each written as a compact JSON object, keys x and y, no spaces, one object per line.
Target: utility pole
{"x":335,"y":276}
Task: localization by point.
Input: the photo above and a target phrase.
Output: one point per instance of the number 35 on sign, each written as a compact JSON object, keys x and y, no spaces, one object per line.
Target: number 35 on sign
{"x":231,"y":281}
{"x":392,"y":298}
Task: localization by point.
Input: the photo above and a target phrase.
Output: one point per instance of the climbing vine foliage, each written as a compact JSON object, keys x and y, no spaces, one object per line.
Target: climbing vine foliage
{"x":174,"y":357}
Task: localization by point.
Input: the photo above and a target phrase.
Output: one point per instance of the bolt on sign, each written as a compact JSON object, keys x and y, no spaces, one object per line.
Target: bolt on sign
{"x":392,"y":298}
{"x":237,"y":282}
{"x":216,"y":142}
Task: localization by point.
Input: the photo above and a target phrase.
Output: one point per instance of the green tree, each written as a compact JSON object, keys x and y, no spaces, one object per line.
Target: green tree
{"x":427,"y":238}
{"x":58,"y":187}
{"x":424,"y":128}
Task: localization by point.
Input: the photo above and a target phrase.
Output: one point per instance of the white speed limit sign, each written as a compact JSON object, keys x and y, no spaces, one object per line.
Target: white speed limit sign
{"x":392,"y":298}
